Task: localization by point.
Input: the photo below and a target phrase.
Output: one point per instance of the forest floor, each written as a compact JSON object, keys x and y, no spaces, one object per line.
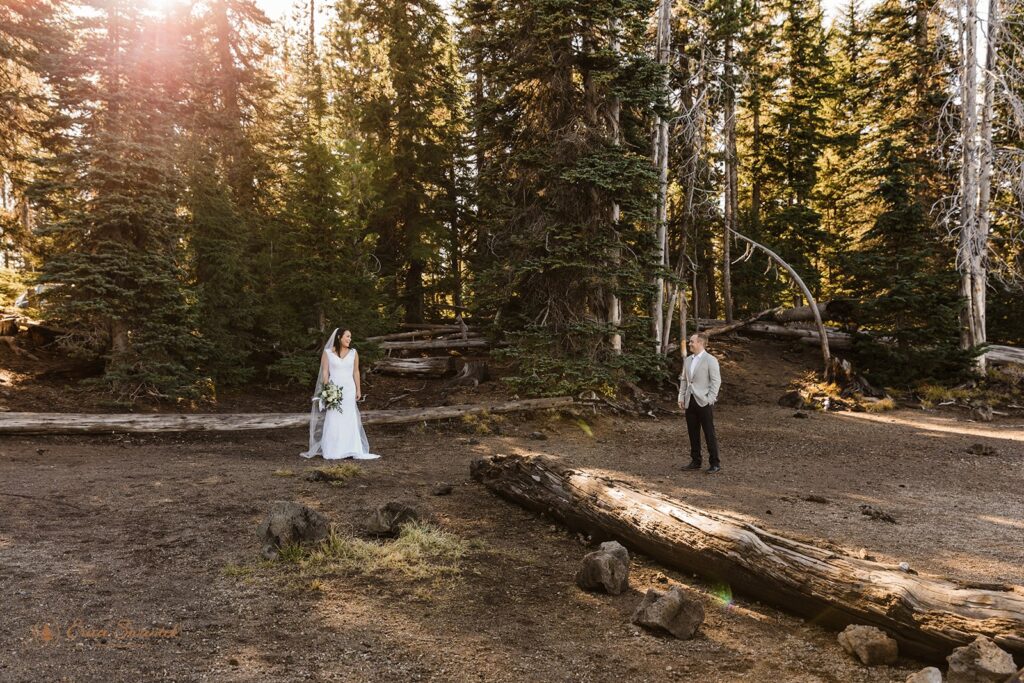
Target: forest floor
{"x":100,"y":532}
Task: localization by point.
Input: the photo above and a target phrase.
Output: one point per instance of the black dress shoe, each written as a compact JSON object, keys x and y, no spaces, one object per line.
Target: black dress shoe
{"x":713,"y":469}
{"x":694,"y":465}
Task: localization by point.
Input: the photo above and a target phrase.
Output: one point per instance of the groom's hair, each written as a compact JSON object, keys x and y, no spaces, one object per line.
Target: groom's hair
{"x":703,"y":336}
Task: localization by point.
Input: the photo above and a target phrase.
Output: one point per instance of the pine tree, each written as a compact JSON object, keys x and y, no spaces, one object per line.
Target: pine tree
{"x":318,"y":269}
{"x":227,"y":173}
{"x":113,"y":239}
{"x":396,"y":80}
{"x":28,"y":31}
{"x":903,"y":272}
{"x":562,"y":135}
{"x":795,"y":136}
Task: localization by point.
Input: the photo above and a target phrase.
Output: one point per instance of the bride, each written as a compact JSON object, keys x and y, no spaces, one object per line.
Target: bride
{"x":335,"y":434}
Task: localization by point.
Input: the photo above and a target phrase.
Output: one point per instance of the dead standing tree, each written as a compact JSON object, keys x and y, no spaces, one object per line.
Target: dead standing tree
{"x":986,"y":169}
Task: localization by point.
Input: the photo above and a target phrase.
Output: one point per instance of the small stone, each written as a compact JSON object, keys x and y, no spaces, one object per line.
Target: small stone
{"x":869,"y":644}
{"x":671,"y":611}
{"x":387,"y":519}
{"x":537,"y":436}
{"x":605,"y":569}
{"x":929,"y":675}
{"x":791,"y":399}
{"x":980,"y":662}
{"x":800,"y":414}
{"x":233,"y":661}
{"x":287,"y":523}
{"x":880,"y":515}
{"x":981,"y":449}
{"x":982,"y":413}
{"x":441,"y":489}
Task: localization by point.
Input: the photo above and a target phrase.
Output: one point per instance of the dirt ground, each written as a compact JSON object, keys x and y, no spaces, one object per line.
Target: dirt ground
{"x":159,"y":531}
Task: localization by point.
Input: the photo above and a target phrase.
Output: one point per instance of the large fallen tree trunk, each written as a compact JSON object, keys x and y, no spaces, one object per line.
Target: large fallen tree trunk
{"x":773,"y":330}
{"x":87,"y":423}
{"x":415,"y":334}
{"x":928,"y":616}
{"x":1004,"y":355}
{"x":435,"y":344}
{"x":437,"y":366}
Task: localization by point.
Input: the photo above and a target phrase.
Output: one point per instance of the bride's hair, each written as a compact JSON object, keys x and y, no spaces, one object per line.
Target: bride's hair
{"x":337,"y":339}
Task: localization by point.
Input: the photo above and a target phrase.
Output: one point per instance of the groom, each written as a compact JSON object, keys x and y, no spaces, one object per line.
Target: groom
{"x":698,"y":391}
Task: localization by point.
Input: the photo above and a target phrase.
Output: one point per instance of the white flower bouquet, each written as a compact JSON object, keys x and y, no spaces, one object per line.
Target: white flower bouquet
{"x":330,"y":397}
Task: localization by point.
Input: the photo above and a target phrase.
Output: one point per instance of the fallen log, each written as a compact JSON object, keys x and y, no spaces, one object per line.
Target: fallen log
{"x":453,"y":327}
{"x":774,"y":330}
{"x":438,"y":366}
{"x":396,"y":336}
{"x":929,"y":616}
{"x":87,"y":423}
{"x":435,"y":344}
{"x":1004,"y":355}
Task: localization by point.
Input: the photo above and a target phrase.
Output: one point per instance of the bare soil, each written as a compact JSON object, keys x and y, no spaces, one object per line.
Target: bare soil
{"x":159,"y":532}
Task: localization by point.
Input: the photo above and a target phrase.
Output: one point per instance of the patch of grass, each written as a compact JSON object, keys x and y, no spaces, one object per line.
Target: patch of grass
{"x":932,"y":394}
{"x":339,"y":473}
{"x":881,"y":405}
{"x":236,"y":570}
{"x":483,"y":424}
{"x":421,"y":551}
{"x":284,"y":473}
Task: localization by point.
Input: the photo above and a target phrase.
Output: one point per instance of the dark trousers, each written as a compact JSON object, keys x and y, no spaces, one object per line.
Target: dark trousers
{"x":699,"y":418}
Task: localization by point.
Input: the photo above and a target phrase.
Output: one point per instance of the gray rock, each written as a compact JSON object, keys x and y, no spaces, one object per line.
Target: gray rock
{"x":929,"y":675}
{"x":288,"y":523}
{"x":387,"y":519}
{"x":671,"y":611}
{"x":870,"y":645}
{"x":792,"y":399}
{"x":980,"y":662}
{"x":605,"y":569}
{"x":982,"y":413}
{"x":538,"y":436}
{"x":441,"y":489}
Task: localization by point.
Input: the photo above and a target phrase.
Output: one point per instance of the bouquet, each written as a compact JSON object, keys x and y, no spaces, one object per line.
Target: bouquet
{"x":330,"y":397}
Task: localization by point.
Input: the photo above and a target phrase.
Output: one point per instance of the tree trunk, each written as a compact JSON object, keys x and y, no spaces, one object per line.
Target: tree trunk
{"x":81,"y":423}
{"x":663,"y":50}
{"x":928,"y":616}
{"x":826,"y":356}
{"x":731,"y":204}
{"x":969,"y":259}
{"x":979,"y":279}
{"x":614,"y":303}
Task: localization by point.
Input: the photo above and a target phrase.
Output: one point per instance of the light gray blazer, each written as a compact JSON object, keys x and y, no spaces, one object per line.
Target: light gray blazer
{"x":707,"y":378}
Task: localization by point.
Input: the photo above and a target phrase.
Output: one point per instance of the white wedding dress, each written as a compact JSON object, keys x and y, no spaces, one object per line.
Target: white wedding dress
{"x":333,"y":434}
{"x":343,"y":431}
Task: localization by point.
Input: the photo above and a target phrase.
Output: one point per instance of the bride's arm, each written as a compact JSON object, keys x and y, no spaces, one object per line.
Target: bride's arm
{"x":355,"y":375}
{"x":324,"y":368}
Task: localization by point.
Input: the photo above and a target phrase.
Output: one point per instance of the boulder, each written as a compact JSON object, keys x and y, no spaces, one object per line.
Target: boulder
{"x":929,"y":675}
{"x":605,"y":569}
{"x":869,"y":644}
{"x":980,"y":662}
{"x":387,"y":519}
{"x":288,"y":523}
{"x":672,"y":611}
